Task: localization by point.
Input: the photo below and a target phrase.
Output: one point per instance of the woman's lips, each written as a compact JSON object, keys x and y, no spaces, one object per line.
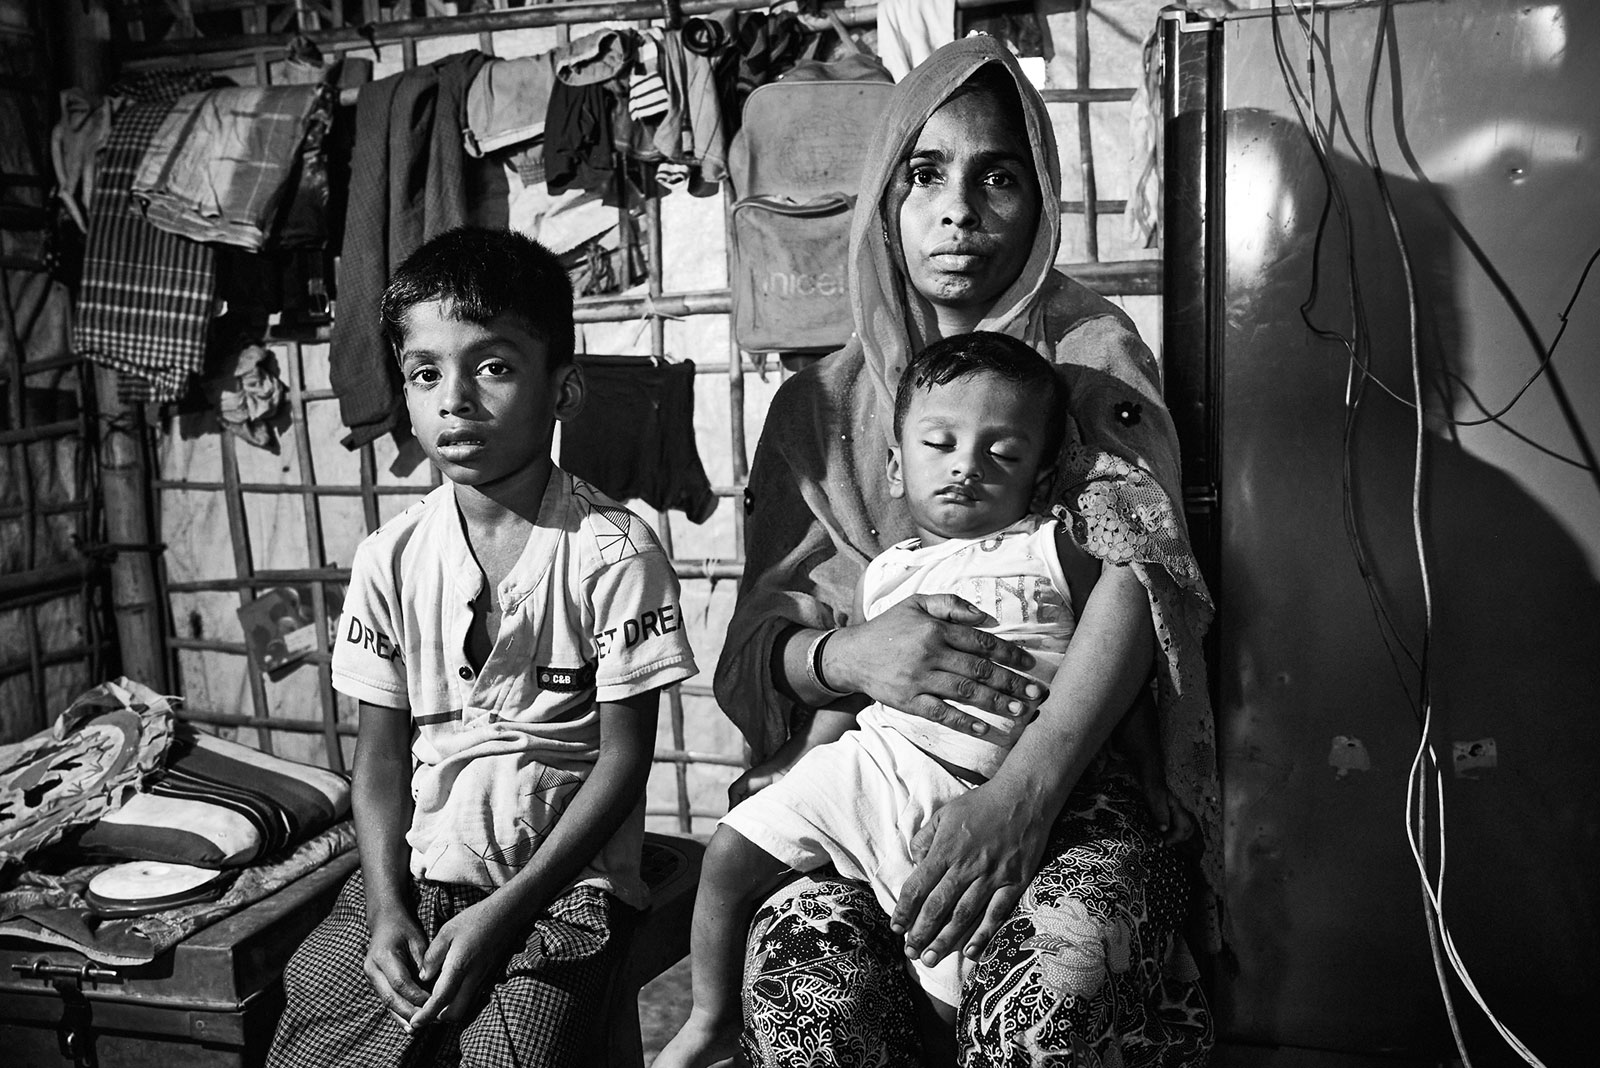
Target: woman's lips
{"x":962,"y":256}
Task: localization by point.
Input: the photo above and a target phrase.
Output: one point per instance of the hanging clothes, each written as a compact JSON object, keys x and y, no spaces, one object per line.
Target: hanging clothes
{"x":595,"y":58}
{"x":220,"y":165}
{"x":578,"y":139}
{"x":635,"y":439}
{"x":407,"y":185}
{"x":75,"y":144}
{"x":669,"y":135}
{"x":507,"y":102}
{"x":647,"y":89}
{"x":909,"y":31}
{"x":707,"y":130}
{"x":146,"y":296}
{"x":761,"y":48}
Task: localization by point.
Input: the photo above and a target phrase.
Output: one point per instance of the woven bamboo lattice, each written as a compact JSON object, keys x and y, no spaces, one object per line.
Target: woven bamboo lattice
{"x":239,"y":503}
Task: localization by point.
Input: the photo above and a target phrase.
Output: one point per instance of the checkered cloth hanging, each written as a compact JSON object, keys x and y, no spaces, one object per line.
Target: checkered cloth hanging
{"x":146,"y":297}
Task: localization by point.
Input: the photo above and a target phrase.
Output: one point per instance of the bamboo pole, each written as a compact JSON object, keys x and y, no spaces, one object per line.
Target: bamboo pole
{"x":375,"y":32}
{"x":124,"y":482}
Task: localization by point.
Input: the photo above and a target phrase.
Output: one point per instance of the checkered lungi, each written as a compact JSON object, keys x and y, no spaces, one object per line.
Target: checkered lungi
{"x":146,"y":299}
{"x":541,"y":1009}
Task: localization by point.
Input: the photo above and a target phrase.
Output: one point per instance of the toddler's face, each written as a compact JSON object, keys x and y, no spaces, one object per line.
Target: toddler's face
{"x":970,"y":457}
{"x":482,"y":399}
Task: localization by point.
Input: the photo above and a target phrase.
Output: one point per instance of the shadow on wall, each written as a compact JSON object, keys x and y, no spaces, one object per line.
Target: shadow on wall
{"x":1324,"y":897}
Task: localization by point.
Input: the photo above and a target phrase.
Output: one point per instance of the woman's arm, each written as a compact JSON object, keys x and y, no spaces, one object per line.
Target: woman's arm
{"x":978,"y":853}
{"x":922,"y":654}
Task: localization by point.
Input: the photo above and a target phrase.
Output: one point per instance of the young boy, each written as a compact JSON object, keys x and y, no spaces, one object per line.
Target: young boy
{"x":979,"y":419}
{"x":506,"y":638}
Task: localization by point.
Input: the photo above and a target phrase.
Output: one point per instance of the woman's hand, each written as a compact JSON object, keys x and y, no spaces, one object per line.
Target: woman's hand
{"x":925,"y":652}
{"x":975,"y":857}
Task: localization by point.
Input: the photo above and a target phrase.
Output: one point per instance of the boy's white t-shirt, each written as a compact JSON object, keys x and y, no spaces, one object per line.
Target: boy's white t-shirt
{"x":590,"y":613}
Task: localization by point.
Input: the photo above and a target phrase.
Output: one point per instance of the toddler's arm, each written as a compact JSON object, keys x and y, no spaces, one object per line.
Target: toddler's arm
{"x":1139,"y":738}
{"x":806,"y":731}
{"x":1136,"y":733}
{"x":821,"y":727}
{"x":476,"y":940}
{"x":380,"y":802}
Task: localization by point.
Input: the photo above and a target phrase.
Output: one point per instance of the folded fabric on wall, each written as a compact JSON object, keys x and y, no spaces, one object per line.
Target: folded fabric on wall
{"x":219,"y":166}
{"x":219,"y":804}
{"x":146,"y":296}
{"x":88,"y":763}
{"x":635,"y":439}
{"x":407,"y":184}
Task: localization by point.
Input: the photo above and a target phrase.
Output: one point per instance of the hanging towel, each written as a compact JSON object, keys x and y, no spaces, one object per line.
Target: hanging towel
{"x":406,"y":186}
{"x":635,"y":440}
{"x":219,"y":166}
{"x":146,"y":296}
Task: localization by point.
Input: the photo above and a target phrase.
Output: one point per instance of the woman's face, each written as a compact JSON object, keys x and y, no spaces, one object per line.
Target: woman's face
{"x":970,"y":205}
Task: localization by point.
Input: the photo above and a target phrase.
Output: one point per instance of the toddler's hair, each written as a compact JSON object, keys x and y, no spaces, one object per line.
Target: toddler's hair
{"x":483,"y":274}
{"x":986,"y":352}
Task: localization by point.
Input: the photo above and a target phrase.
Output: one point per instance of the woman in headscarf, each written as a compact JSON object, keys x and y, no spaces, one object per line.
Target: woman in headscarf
{"x":1051,"y":875}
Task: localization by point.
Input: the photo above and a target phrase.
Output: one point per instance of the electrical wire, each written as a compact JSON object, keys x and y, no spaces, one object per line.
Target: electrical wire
{"x":1304,"y":18}
{"x":1357,"y":370}
{"x":1544,"y":363}
{"x":1441,"y":943}
{"x":1433,"y":916}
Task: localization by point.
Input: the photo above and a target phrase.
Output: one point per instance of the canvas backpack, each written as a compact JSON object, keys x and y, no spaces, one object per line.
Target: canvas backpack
{"x":794,"y":166}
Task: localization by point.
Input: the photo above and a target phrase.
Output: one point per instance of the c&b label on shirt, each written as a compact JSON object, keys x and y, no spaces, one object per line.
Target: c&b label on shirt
{"x":566,"y":680}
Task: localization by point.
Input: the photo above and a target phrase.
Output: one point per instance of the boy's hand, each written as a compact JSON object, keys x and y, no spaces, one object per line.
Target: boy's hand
{"x":394,"y":955}
{"x":463,"y":953}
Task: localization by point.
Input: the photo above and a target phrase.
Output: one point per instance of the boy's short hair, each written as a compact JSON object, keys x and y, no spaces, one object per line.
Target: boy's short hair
{"x":986,"y":352}
{"x":484,"y":274}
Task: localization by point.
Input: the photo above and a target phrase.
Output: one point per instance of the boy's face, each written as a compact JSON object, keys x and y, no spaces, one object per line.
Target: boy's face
{"x":970,"y":457}
{"x":482,"y":398}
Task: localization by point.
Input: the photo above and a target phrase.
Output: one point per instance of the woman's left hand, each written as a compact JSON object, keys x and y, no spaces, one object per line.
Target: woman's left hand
{"x":975,"y":857}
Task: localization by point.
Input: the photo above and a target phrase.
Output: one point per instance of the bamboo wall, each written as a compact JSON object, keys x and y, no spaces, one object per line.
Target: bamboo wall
{"x":236,"y":520}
